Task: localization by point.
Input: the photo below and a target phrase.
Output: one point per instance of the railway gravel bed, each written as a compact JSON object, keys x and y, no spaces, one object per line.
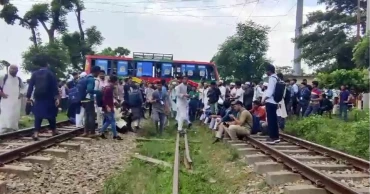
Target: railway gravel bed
{"x":304,"y":168}
{"x":83,"y":172}
{"x":59,"y":164}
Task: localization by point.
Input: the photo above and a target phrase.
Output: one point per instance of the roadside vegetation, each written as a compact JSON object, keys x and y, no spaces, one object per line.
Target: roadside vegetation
{"x":27,"y":121}
{"x":351,"y":137}
{"x":216,"y":168}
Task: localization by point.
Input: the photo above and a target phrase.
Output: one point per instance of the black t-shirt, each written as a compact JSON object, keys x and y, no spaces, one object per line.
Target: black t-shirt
{"x":213,"y":95}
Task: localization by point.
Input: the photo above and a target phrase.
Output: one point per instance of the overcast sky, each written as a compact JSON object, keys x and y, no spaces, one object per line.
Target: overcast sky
{"x":189,"y":29}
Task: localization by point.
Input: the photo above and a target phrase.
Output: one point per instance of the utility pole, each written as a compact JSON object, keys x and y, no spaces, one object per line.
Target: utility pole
{"x":368,"y":18}
{"x":298,"y":32}
{"x":358,"y":20}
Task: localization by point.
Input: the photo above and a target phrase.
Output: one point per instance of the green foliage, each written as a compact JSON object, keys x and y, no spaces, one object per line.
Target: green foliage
{"x":78,"y":47}
{"x":5,"y":64}
{"x":350,"y":137}
{"x":119,"y":52}
{"x":329,"y":46}
{"x":361,"y":53}
{"x":57,"y":58}
{"x":243,"y":55}
{"x":3,"y":2}
{"x":51,"y":17}
{"x":357,"y":78}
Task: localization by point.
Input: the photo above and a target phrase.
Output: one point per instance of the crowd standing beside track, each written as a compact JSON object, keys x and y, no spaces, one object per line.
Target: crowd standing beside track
{"x":233,"y":109}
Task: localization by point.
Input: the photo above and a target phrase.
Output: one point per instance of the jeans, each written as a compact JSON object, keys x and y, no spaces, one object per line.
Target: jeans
{"x":64,"y":104}
{"x":89,"y":117}
{"x":109,"y":120}
{"x":343,"y":110}
{"x":161,"y":119}
{"x":38,"y":121}
{"x":281,"y":123}
{"x":303,"y":105}
{"x":273,"y":129}
{"x":312,"y":108}
{"x":193,"y":106}
{"x":214,"y":108}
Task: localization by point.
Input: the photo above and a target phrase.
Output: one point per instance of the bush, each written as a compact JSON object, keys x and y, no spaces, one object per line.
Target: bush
{"x":349,"y":137}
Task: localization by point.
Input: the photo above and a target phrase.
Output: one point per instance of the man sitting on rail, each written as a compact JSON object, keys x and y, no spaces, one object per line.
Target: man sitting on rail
{"x":240,"y":126}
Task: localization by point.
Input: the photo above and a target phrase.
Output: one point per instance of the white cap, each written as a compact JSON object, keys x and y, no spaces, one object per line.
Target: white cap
{"x":232,"y":83}
{"x":83,"y":74}
{"x":247,"y":83}
{"x":265,"y":84}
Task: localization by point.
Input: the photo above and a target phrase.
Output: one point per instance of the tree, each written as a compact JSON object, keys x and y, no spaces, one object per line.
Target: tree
{"x":3,"y":2}
{"x":357,"y":78}
{"x":118,"y":52}
{"x":9,"y":14}
{"x":5,"y":64}
{"x":243,"y":55}
{"x":329,"y":46}
{"x":78,"y":47}
{"x":52,"y":18}
{"x":57,"y":58}
{"x":361,"y":53}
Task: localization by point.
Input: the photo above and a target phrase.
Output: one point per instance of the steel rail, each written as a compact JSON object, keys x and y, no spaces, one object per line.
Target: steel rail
{"x":187,"y":150}
{"x":23,"y":151}
{"x":26,"y":131}
{"x":320,"y":179}
{"x":175,"y":181}
{"x":356,"y":162}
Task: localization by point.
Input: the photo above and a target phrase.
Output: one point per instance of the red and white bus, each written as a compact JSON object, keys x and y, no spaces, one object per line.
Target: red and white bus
{"x":153,"y":67}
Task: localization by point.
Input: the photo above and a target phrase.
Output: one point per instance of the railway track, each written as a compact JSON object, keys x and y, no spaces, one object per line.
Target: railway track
{"x":18,"y":147}
{"x":293,"y":160}
{"x":186,"y":161}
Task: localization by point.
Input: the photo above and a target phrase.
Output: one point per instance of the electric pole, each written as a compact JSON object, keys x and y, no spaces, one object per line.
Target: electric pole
{"x":358,"y":20}
{"x":298,"y":32}
{"x":368,"y":18}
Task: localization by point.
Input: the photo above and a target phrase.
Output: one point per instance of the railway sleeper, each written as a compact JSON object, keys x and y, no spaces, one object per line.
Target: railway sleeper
{"x":21,"y":171}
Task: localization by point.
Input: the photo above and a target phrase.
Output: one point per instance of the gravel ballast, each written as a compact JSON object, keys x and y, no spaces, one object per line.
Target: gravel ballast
{"x":84,"y":172}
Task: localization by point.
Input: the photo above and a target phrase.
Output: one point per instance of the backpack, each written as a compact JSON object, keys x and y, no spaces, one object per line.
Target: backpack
{"x":4,"y":81}
{"x":79,"y":92}
{"x":279,"y":90}
{"x":134,"y":99}
{"x":42,"y":84}
{"x":256,"y":127}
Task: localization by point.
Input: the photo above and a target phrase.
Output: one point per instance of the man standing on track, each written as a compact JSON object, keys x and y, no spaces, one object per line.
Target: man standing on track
{"x":10,"y":104}
{"x":44,"y":86}
{"x":182,"y":103}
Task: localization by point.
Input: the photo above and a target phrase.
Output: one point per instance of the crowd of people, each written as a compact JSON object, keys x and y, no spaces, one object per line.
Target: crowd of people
{"x":96,"y":101}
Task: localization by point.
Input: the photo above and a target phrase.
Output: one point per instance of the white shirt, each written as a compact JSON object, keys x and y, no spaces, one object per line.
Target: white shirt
{"x":223,"y":91}
{"x":63,"y":89}
{"x":295,"y":88}
{"x":233,"y":92}
{"x":240,"y":93}
{"x":257,"y":92}
{"x":271,"y":89}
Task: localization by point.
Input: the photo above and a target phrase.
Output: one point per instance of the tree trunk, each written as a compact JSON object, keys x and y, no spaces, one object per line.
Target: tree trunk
{"x":34,"y":37}
{"x":82,"y":33}
{"x":50,"y":32}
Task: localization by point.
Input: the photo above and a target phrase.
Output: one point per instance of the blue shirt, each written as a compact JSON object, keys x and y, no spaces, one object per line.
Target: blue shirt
{"x":343,"y":96}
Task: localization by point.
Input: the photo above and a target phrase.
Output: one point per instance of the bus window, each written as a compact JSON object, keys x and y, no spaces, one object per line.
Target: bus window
{"x":166,"y":70}
{"x":144,"y":69}
{"x":103,"y":64}
{"x":122,"y":68}
{"x":211,"y":73}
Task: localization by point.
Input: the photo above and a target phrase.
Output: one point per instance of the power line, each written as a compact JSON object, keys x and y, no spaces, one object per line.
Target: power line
{"x":287,"y":13}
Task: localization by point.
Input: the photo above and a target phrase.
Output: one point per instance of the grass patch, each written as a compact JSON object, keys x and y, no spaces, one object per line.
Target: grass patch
{"x":27,"y":121}
{"x":351,"y":137}
{"x":216,"y":169}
